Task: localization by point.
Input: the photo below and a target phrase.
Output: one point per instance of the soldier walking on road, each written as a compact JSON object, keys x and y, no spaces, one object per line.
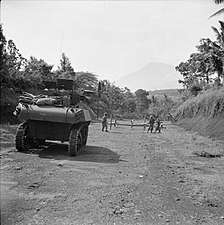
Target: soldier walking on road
{"x":151,"y":124}
{"x":104,"y":122}
{"x":158,"y":125}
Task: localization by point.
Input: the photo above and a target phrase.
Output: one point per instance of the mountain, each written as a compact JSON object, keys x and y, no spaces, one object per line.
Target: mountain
{"x":151,"y":77}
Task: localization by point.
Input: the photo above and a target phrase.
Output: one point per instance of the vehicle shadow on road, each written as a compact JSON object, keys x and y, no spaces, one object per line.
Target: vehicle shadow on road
{"x":87,"y":153}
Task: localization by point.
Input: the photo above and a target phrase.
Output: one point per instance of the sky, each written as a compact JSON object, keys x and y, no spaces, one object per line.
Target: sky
{"x":109,"y":38}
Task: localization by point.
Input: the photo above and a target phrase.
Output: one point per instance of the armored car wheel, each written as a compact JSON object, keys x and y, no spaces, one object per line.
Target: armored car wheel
{"x":77,"y":139}
{"x":23,"y":141}
{"x":75,"y":142}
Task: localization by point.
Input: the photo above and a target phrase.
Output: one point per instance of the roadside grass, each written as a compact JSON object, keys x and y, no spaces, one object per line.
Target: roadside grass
{"x":209,"y":103}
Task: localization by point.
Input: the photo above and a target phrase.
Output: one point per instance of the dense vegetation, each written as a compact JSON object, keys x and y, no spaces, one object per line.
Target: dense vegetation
{"x":202,"y":109}
{"x":202,"y":71}
{"x":19,"y":74}
{"x":203,"y":78}
{"x":205,"y":67}
{"x":208,"y":104}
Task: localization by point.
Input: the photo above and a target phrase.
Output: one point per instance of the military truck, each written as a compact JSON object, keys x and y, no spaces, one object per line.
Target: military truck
{"x":60,"y":113}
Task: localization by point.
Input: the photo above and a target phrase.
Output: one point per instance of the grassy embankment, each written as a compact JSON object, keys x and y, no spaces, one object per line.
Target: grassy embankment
{"x":203,"y":114}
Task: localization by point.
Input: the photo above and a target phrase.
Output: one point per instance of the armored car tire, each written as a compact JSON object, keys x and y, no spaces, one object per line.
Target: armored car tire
{"x":77,"y":139}
{"x":23,"y":140}
{"x":75,"y":142}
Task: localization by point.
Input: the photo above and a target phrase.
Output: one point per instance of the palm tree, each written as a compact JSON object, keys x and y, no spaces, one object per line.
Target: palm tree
{"x":220,"y":50}
{"x":219,"y":11}
{"x":218,"y":1}
{"x":220,"y":34}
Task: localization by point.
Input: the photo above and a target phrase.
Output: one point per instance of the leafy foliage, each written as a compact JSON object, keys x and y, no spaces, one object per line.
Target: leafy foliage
{"x":209,"y":60}
{"x":86,"y":80}
{"x":219,"y":11}
{"x":65,"y":70}
{"x":37,"y":70}
{"x":142,"y":100}
{"x":20,"y":74}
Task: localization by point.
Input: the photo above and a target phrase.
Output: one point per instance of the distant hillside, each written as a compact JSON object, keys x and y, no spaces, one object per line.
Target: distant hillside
{"x":169,"y":92}
{"x":151,"y":77}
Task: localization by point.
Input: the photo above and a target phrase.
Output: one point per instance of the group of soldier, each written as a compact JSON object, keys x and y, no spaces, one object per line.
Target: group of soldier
{"x":154,"y":124}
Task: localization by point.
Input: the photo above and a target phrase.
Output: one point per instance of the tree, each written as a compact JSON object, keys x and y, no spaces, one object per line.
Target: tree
{"x":219,"y":34}
{"x":15,"y":59}
{"x":86,"y":80}
{"x":38,"y":69}
{"x":127,"y":93}
{"x":3,"y":57}
{"x":201,"y":65}
{"x":205,"y":58}
{"x":190,"y":70}
{"x":161,"y":105}
{"x":128,"y":105}
{"x":65,"y":70}
{"x":219,"y":51}
{"x":131,"y":105}
{"x":219,"y":11}
{"x":114,"y":96}
{"x":12,"y":63}
{"x":142,"y":100}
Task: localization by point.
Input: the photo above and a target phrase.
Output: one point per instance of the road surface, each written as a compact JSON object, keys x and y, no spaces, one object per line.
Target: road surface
{"x":125,"y":176}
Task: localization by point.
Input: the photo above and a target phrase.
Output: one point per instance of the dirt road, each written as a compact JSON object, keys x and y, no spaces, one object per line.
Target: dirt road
{"x":121,"y":177}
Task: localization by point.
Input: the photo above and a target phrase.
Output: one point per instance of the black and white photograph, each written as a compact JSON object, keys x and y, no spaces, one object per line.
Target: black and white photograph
{"x":112,"y":112}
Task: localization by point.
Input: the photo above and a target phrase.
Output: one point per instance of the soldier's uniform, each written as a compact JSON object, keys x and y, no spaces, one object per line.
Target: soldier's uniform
{"x":151,"y":124}
{"x":158,"y":125}
{"x":104,"y":122}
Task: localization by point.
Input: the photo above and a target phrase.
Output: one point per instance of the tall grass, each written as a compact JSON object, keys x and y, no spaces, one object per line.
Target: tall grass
{"x":209,"y":103}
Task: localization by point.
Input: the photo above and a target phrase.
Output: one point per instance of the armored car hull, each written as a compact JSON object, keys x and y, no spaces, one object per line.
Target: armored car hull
{"x":50,"y":118}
